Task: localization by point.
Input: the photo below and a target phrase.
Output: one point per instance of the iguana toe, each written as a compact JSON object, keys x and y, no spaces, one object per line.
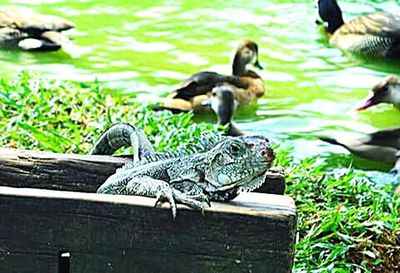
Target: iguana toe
{"x":201,"y":198}
{"x":167,"y":194}
{"x":194,"y":202}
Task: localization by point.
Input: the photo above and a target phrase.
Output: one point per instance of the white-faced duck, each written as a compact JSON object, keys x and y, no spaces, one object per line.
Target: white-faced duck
{"x":27,"y":30}
{"x":376,"y":34}
{"x":246,"y":84}
{"x":386,"y":91}
{"x":222,"y":101}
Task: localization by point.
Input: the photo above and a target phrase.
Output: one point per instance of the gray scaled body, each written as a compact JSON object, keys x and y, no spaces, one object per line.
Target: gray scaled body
{"x":216,"y":168}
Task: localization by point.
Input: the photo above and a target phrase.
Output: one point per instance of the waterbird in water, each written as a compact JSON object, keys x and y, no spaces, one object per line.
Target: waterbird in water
{"x":386,"y":91}
{"x":246,"y":84}
{"x":222,"y":101}
{"x":376,"y":34}
{"x":379,"y":146}
{"x":24,"y":29}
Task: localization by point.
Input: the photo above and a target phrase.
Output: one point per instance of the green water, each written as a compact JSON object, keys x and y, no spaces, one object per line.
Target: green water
{"x":144,"y":48}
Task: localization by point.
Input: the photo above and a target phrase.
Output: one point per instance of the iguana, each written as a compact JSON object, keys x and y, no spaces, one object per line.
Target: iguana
{"x":216,"y":168}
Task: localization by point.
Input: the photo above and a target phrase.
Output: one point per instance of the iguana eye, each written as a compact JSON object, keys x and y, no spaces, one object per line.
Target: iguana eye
{"x":250,"y":145}
{"x":235,"y":148}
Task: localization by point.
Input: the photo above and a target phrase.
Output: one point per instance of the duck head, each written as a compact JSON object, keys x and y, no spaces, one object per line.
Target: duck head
{"x":223,"y":103}
{"x":386,"y":91}
{"x":246,"y":53}
{"x":329,"y":14}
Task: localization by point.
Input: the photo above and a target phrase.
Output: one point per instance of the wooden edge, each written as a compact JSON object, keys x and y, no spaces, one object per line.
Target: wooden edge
{"x":28,"y":168}
{"x":17,"y":154}
{"x":257,"y":204}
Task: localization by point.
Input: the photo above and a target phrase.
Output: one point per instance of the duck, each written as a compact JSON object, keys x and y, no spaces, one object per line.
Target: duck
{"x":394,"y":176}
{"x":27,"y":30}
{"x":376,"y":34}
{"x":222,"y":101}
{"x":246,"y":84}
{"x":381,"y":145}
{"x":385,"y":91}
{"x":396,"y":173}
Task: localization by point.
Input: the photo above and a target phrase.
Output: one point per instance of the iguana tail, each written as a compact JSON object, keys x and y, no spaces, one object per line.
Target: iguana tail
{"x":122,"y":135}
{"x":115,"y":137}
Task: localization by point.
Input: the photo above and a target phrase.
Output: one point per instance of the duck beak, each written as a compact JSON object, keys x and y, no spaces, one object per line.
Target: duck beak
{"x":370,"y":101}
{"x":206,"y":103}
{"x":258,"y":65}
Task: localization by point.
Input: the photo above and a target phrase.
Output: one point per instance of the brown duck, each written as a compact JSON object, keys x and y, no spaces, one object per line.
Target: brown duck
{"x":27,"y":30}
{"x":376,"y":34}
{"x":246,"y":84}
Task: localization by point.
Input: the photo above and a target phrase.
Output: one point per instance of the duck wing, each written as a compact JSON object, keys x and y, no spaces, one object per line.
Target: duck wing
{"x":385,"y":138}
{"x":32,"y":23}
{"x":376,"y":34}
{"x":201,"y":83}
{"x":369,"y":147}
{"x":381,"y":24}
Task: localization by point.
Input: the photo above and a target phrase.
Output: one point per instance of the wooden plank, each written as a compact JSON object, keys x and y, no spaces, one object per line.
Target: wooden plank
{"x":23,"y":168}
{"x":111,"y":233}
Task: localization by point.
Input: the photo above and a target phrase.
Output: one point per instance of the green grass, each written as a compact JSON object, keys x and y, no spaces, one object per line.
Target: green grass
{"x":345,"y":222}
{"x":68,"y":117}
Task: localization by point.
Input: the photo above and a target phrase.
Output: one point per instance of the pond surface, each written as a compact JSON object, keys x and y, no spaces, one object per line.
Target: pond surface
{"x":144,"y":48}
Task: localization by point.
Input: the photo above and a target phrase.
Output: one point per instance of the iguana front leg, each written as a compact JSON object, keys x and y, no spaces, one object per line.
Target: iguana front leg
{"x":150,"y":187}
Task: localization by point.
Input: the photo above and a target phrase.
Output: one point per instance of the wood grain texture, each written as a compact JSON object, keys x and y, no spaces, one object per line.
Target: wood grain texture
{"x":22,"y":168}
{"x":111,"y":233}
{"x":85,"y":173}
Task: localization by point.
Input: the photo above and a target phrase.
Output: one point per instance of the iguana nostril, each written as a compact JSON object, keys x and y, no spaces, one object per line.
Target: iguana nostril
{"x":268,"y":153}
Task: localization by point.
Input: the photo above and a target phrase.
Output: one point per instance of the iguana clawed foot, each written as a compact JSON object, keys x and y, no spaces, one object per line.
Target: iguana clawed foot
{"x":173,"y":196}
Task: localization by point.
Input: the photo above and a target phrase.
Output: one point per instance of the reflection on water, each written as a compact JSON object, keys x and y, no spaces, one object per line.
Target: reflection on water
{"x":147,"y":47}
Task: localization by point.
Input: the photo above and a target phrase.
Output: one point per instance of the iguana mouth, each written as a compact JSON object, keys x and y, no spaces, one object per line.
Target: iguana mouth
{"x":258,"y":181}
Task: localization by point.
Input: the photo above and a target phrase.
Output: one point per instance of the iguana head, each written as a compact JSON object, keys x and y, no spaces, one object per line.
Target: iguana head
{"x":238,"y":164}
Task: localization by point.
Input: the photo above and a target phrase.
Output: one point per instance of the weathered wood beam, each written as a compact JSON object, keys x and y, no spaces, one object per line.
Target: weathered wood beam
{"x":23,"y":168}
{"x":119,"y":234}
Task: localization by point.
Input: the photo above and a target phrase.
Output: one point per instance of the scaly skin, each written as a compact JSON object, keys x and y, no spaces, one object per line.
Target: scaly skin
{"x":217,"y":168}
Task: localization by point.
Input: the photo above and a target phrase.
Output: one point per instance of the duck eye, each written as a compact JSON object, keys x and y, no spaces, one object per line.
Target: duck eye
{"x":213,"y":94}
{"x":247,"y":52}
